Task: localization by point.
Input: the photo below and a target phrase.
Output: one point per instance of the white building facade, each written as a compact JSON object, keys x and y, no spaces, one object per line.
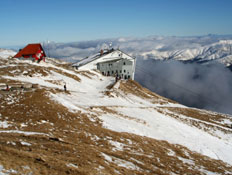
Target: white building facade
{"x":110,"y":63}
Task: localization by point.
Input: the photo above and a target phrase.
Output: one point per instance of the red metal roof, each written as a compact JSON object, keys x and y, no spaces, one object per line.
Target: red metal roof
{"x":30,"y":49}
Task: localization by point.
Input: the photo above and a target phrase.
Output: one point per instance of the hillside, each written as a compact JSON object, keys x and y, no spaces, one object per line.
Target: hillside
{"x":98,"y":126}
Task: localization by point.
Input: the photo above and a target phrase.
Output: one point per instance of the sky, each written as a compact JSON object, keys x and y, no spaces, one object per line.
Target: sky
{"x":31,"y":21}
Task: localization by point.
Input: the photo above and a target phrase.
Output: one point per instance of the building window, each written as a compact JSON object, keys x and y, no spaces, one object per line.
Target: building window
{"x":124,"y":71}
{"x":120,"y":71}
{"x":116,"y":71}
{"x":112,"y":72}
{"x":124,"y":63}
{"x":128,"y":76}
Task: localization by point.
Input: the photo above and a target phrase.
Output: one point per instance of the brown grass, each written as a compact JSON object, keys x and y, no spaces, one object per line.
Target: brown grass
{"x":87,"y":74}
{"x":133,"y":87}
{"x":24,"y":69}
{"x":72,"y":138}
{"x":75,"y":77}
{"x":215,"y":118}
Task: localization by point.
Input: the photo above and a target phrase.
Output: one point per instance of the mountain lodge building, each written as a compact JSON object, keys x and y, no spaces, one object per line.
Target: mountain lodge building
{"x":32,"y":52}
{"x":110,"y":63}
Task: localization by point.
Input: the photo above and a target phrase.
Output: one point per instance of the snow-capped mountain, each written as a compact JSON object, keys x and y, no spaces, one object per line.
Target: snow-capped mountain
{"x":200,"y":48}
{"x":99,"y":126}
{"x":220,"y":51}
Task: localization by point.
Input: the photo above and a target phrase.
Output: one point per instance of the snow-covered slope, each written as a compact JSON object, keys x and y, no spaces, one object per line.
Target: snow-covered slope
{"x":98,"y":126}
{"x":143,"y":117}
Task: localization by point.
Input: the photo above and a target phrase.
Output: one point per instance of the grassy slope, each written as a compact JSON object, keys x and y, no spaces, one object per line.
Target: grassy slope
{"x":74,"y":144}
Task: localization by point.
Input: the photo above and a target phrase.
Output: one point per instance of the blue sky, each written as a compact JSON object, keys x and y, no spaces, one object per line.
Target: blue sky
{"x":28,"y":21}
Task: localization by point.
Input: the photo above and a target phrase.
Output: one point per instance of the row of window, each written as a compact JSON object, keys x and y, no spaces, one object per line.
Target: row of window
{"x":112,"y":72}
{"x":120,"y":76}
{"x":120,"y":71}
{"x":110,"y":65}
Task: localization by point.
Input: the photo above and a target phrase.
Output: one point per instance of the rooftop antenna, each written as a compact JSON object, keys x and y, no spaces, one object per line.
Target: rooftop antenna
{"x":110,"y":45}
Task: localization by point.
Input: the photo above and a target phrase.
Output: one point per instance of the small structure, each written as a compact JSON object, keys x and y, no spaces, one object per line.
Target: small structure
{"x":110,"y":63}
{"x":33,"y":52}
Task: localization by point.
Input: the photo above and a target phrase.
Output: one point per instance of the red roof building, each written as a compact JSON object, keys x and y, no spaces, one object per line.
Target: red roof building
{"x":32,"y":51}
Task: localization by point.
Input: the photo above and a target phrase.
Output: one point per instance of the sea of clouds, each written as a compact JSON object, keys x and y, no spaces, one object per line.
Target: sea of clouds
{"x":203,"y":86}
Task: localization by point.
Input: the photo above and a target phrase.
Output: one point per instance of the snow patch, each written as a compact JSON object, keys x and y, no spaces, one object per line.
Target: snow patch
{"x":7,"y":172}
{"x":117,"y":145}
{"x":4,"y":124}
{"x":71,"y":165}
{"x":107,"y":157}
{"x":25,"y":143}
{"x":22,"y":132}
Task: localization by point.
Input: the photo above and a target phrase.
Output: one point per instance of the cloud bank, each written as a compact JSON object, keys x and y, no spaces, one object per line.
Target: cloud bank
{"x":202,"y":86}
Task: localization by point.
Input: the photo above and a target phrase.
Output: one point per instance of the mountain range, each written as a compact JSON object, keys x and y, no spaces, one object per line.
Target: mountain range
{"x":196,"y":48}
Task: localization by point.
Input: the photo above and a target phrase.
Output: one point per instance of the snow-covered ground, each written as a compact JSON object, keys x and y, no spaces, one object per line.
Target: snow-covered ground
{"x":145,"y":120}
{"x":132,"y":114}
{"x":4,"y":124}
{"x":22,"y":132}
{"x":162,"y":127}
{"x":6,"y":172}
